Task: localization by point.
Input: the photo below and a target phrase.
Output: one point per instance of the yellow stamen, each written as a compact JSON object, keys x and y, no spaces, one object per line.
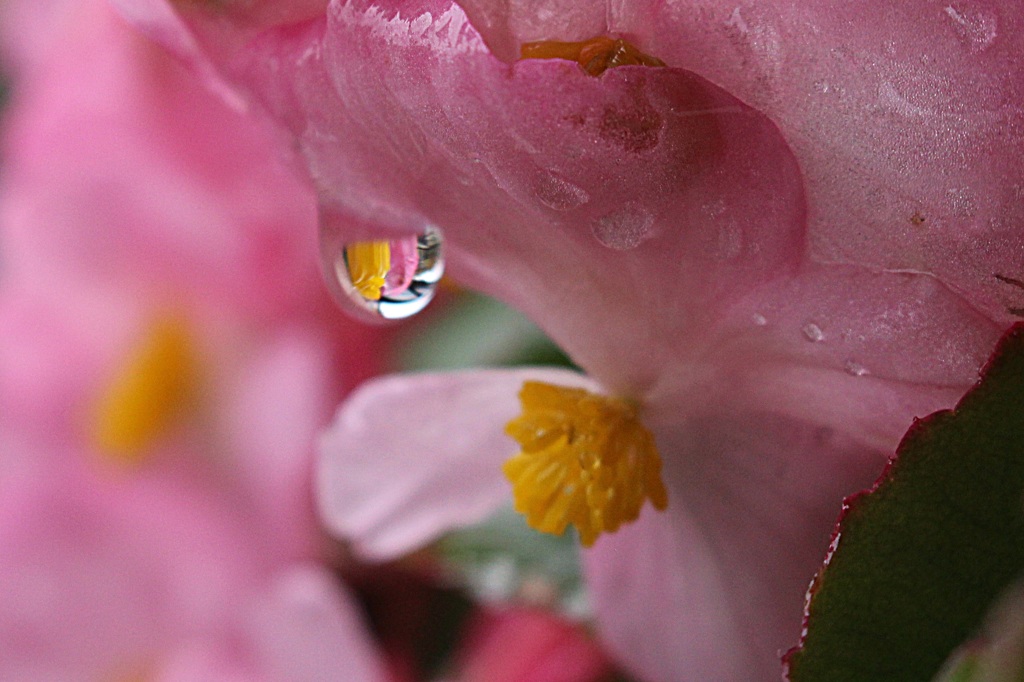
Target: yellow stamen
{"x":586,"y":459}
{"x":368,"y":266}
{"x":147,"y":393}
{"x":596,"y":55}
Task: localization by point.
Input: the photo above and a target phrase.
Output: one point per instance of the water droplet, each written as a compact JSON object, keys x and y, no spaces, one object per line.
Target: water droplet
{"x":624,"y":228}
{"x":729,"y":243}
{"x":736,"y":21}
{"x":387,"y":279}
{"x":813,"y":332}
{"x":759,"y":319}
{"x":976,"y":28}
{"x":855,"y":368}
{"x":559,"y":194}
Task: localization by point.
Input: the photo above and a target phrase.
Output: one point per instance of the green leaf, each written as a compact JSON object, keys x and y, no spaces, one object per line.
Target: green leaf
{"x":917,"y":560}
{"x":476,"y":331}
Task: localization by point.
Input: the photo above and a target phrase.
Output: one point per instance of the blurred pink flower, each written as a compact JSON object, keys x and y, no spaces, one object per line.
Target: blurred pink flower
{"x":797,"y":237}
{"x":519,"y":644}
{"x":141,"y":212}
{"x":159,"y":578}
{"x":167,"y":358}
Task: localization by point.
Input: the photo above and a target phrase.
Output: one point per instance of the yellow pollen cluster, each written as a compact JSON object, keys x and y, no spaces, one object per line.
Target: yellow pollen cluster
{"x":586,"y":459}
{"x":150,"y":389}
{"x":368,"y":266}
{"x":596,"y":55}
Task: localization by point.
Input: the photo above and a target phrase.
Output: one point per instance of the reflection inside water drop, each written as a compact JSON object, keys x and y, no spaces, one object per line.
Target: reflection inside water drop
{"x":388,"y":279}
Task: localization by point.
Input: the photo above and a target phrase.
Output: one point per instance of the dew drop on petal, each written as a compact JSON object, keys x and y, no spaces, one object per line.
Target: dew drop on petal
{"x":387,"y":279}
{"x":855,"y":368}
{"x":759,"y":319}
{"x":975,"y":27}
{"x":812,"y":332}
{"x":624,"y":228}
{"x":559,"y":194}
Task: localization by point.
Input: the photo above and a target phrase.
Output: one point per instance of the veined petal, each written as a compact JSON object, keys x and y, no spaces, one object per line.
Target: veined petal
{"x":844,"y":347}
{"x":410,"y":457}
{"x":907,"y":129}
{"x":621,"y":202}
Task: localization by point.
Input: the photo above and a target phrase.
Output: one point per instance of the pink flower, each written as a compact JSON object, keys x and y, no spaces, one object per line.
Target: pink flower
{"x":158,"y":578}
{"x":783,"y":247}
{"x":148,"y":230}
{"x":165,"y":365}
{"x":528,"y":645}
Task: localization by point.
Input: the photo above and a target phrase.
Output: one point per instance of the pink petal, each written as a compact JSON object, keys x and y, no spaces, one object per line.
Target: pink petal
{"x":506,"y":25}
{"x":908,"y":118}
{"x":529,"y":645}
{"x":410,"y":457}
{"x":622,"y":314}
{"x":713,"y":589}
{"x":96,"y":574}
{"x":271,"y":409}
{"x":906,"y":127}
{"x":61,"y":341}
{"x":117,"y":163}
{"x":621,"y":202}
{"x":860,"y":351}
{"x":309,"y":629}
{"x":26,"y":32}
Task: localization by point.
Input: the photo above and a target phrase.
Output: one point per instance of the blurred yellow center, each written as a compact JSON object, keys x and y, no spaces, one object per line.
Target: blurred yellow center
{"x":148,"y":391}
{"x":596,"y":55}
{"x":368,"y":266}
{"x":586,"y":459}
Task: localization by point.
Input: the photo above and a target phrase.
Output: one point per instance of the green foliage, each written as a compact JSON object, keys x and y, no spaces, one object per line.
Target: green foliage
{"x":921,"y":557}
{"x":471,"y":330}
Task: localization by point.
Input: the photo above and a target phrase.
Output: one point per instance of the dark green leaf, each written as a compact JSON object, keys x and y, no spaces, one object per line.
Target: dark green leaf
{"x":918,"y":560}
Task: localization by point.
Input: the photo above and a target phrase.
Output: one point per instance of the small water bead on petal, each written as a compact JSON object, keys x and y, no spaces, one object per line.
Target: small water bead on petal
{"x":387,"y":279}
{"x":558,"y":193}
{"x":975,"y":27}
{"x":624,"y":228}
{"x":596,"y":55}
{"x":855,"y":368}
{"x":586,"y":460}
{"x":812,"y":332}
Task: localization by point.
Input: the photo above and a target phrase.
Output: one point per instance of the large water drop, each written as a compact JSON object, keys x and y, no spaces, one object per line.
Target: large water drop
{"x":386,"y":279}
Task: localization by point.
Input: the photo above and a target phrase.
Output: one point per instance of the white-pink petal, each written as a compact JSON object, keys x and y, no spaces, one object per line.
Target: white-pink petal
{"x":411,"y":457}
